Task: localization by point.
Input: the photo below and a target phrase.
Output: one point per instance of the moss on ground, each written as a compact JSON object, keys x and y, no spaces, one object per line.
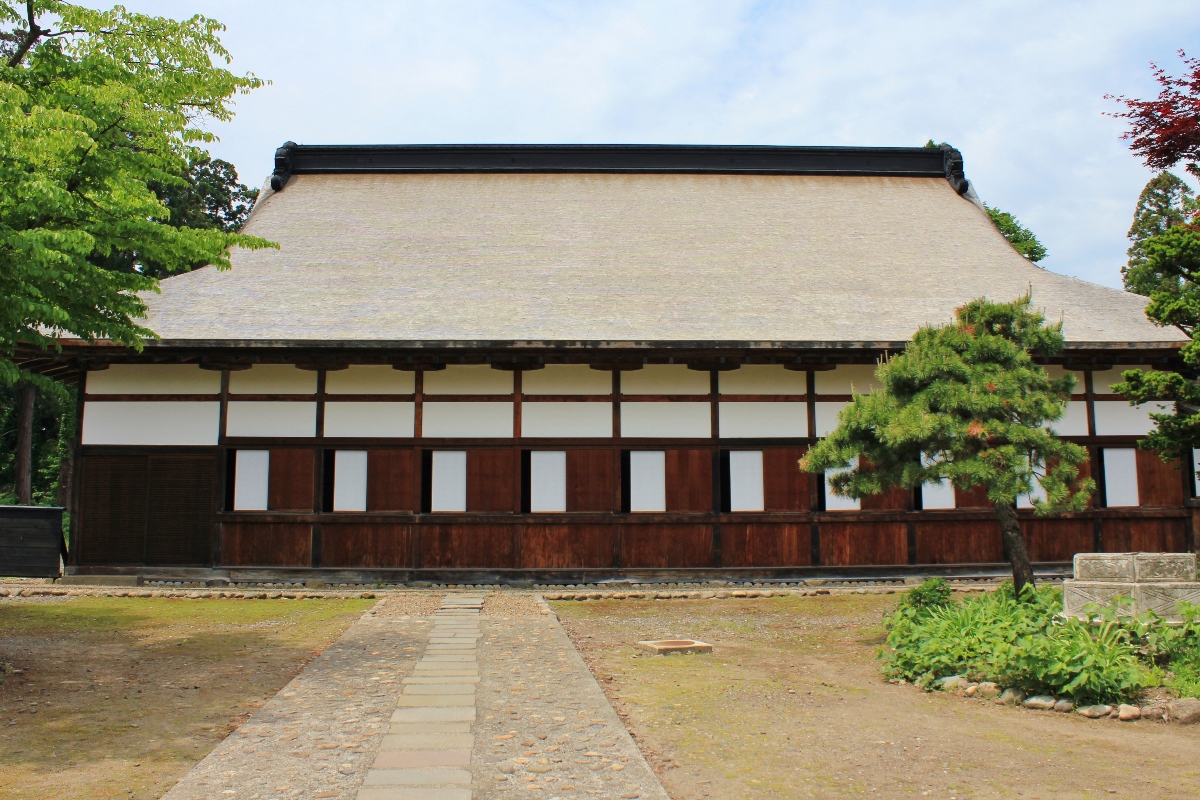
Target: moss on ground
{"x":118,"y":697}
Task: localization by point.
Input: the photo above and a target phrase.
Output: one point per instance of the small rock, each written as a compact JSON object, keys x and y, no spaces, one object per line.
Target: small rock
{"x":1064,"y":706}
{"x":1040,"y":702}
{"x":4,"y":592}
{"x":1185,"y":711}
{"x":539,"y":768}
{"x":1128,"y":713}
{"x":1153,"y":712}
{"x":951,"y":683}
{"x":506,"y":768}
{"x":971,"y":690}
{"x":987,"y":689}
{"x":1094,"y":712}
{"x":1012,"y":697}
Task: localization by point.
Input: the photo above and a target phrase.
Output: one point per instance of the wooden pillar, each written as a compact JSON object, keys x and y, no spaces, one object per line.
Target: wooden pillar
{"x":26,"y":395}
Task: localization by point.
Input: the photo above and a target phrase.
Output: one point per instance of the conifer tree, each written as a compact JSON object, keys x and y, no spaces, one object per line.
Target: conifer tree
{"x":966,"y":403}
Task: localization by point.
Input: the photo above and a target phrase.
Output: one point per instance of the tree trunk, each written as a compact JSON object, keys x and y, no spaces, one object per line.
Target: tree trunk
{"x":1014,"y":547}
{"x":24,"y":454}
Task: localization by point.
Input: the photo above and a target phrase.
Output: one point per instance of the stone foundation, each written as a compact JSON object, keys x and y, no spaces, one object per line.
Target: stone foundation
{"x":1133,"y":582}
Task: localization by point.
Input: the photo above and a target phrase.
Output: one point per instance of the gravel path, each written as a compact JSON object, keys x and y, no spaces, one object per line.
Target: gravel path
{"x":544,"y":727}
{"x":315,"y":739}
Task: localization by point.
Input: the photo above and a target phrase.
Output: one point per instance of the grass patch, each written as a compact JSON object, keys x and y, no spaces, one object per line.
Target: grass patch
{"x":118,"y":697}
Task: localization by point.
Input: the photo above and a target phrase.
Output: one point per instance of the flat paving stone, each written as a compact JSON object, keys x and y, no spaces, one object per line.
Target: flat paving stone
{"x":429,"y":776}
{"x":436,"y":714}
{"x":413,"y":793}
{"x":439,"y":688}
{"x":427,"y":741}
{"x":408,"y":759}
{"x":434,"y":700}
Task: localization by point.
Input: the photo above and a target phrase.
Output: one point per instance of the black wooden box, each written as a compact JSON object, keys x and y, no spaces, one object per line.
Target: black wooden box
{"x":31,"y":541}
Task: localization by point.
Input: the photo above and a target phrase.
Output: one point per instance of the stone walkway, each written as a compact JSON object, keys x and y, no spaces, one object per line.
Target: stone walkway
{"x":500,"y":704}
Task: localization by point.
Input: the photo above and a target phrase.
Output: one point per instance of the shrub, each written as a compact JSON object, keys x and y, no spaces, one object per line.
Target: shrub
{"x":933,"y":593}
{"x":1024,"y":645}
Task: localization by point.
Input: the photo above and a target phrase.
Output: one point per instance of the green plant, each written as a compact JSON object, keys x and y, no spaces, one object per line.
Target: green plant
{"x":933,"y":593}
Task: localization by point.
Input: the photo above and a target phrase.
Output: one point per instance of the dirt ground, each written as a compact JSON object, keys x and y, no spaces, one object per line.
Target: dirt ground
{"x":791,"y":704}
{"x":106,"y":697}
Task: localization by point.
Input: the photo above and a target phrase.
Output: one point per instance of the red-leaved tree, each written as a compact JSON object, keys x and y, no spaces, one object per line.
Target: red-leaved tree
{"x":1166,"y":130}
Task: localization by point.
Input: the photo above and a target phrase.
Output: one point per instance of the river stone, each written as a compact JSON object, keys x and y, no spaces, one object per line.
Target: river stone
{"x":1094,"y":712}
{"x":1012,"y":697}
{"x":988,"y":689}
{"x":1064,"y":706}
{"x":951,"y":683}
{"x":1153,"y":712}
{"x":1040,"y":702}
{"x":1128,"y":713}
{"x":1185,"y":711}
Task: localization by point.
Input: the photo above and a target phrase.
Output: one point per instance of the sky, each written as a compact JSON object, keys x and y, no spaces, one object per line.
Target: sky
{"x":1019,"y":87}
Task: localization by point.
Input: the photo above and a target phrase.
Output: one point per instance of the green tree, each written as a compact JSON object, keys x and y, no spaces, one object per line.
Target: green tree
{"x":1166,"y":201}
{"x":965,"y":403}
{"x":1021,"y":238}
{"x":96,"y":109}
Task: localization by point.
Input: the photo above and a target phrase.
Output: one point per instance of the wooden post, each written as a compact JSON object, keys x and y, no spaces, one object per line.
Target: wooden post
{"x":26,"y":395}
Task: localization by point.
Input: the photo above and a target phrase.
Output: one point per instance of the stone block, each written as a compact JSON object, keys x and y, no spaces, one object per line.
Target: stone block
{"x":664,"y":647}
{"x":421,"y":776}
{"x":1185,"y":711}
{"x":413,"y":793}
{"x":440,"y":688}
{"x":438,"y":714}
{"x":435,"y":700}
{"x":410,"y":759}
{"x":1165,"y":567}
{"x":1108,"y":567}
{"x":1077,"y":595}
{"x":1164,"y":598}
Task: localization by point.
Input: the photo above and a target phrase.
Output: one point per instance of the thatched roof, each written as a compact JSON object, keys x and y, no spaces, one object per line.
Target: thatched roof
{"x":724,"y":258}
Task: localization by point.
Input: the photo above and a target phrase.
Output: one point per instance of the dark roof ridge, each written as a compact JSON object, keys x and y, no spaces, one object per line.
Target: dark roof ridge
{"x":928,"y":162}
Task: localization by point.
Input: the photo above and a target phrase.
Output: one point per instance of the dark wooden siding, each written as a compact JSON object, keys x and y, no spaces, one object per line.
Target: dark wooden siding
{"x":1145,"y":535}
{"x":666,"y":545}
{"x":264,"y":544}
{"x":976,"y":497}
{"x":863,"y":543}
{"x":590,"y":480}
{"x":113,"y":510}
{"x":567,"y":546}
{"x":290,"y":481}
{"x":689,"y":480}
{"x":392,"y":480}
{"x":347,"y":544}
{"x":1159,"y":483}
{"x":182,"y":500}
{"x":1058,"y":539}
{"x":31,"y":540}
{"x":959,"y":542}
{"x":492,"y":480}
{"x":785,"y":487}
{"x":766,"y":544}
{"x":449,"y":546}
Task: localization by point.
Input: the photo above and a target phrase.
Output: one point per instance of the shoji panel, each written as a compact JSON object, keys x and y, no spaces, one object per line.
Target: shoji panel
{"x":548,"y":481}
{"x":689,"y":480}
{"x":647,"y":481}
{"x":491,"y":480}
{"x":251,"y":480}
{"x":392,"y":480}
{"x":1120,"y":477}
{"x":746,"y":480}
{"x":350,"y":480}
{"x":290,"y":486}
{"x":449,"y":477}
{"x":590,"y":480}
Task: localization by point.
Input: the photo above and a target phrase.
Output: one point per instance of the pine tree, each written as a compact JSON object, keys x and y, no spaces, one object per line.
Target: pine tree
{"x":966,"y":403}
{"x":1166,"y":201}
{"x":1021,"y":238}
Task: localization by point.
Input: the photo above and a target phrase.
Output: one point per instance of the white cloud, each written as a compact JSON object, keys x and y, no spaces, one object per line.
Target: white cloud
{"x":1017,"y":86}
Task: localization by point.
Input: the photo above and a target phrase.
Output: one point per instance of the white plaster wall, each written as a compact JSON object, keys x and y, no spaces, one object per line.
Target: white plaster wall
{"x":273,"y":379}
{"x":370,"y":379}
{"x":1120,"y":477}
{"x":758,"y":420}
{"x":845,"y":377}
{"x":647,"y":481}
{"x":1073,"y":421}
{"x":346,"y":419}
{"x":350,"y":480}
{"x":271,"y":418}
{"x":746,"y":480}
{"x":566,"y":419}
{"x":681,"y":420}
{"x":154,"y":379}
{"x":469,"y":379}
{"x":827,"y":417}
{"x":1103,"y":380}
{"x":566,"y":379}
{"x":467,"y":420}
{"x":664,"y":379}
{"x":762,"y":379}
{"x":151,"y":423}
{"x":1118,"y":418}
{"x":1056,"y":371}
